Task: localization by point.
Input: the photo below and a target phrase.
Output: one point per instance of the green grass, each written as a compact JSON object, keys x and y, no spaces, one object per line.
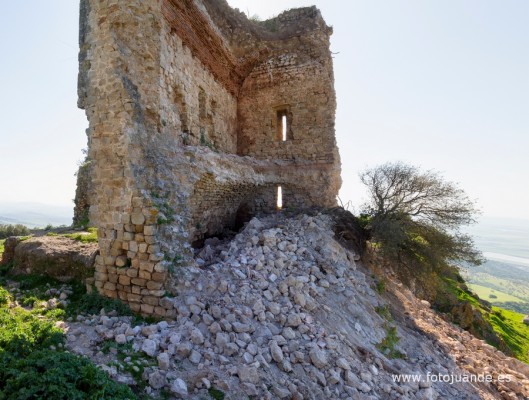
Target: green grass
{"x":508,"y":324}
{"x":462,"y":295}
{"x":486,"y":292}
{"x":2,"y":247}
{"x":33,"y":364}
{"x":85,"y":237}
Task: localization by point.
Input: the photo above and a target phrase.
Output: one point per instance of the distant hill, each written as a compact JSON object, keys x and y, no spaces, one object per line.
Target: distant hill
{"x":35,"y":214}
{"x":503,"y":279}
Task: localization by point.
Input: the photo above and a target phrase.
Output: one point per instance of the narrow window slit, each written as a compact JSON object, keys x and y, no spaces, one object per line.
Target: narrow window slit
{"x":279,"y":198}
{"x":283,"y":126}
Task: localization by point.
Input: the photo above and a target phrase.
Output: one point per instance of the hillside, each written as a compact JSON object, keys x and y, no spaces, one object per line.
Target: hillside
{"x":503,"y":279}
{"x":284,"y":311}
{"x":501,"y":283}
{"x":35,"y":214}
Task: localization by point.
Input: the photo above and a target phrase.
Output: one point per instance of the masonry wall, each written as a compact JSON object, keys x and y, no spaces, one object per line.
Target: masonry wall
{"x":195,"y":106}
{"x":182,"y":97}
{"x":296,"y":81}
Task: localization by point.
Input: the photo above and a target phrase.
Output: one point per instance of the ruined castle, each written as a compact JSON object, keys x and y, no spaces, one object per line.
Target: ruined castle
{"x":199,"y":118}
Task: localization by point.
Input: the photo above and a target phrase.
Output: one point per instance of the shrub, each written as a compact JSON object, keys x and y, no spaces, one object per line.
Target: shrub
{"x":387,"y":346}
{"x":13,"y":230}
{"x":416,"y":215}
{"x":4,"y":296}
{"x":46,"y":374}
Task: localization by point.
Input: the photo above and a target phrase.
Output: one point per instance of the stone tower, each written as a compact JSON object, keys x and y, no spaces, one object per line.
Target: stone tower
{"x":198,"y":118}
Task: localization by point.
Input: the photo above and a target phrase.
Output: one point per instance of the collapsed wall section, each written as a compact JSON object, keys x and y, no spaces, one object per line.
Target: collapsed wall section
{"x":185,"y":99}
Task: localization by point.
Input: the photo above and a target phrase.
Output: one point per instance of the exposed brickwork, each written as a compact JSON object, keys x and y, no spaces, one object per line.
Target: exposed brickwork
{"x":185,"y":101}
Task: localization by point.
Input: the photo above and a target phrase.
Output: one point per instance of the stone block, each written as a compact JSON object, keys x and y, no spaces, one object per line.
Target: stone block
{"x":160,"y":311}
{"x":109,"y":260}
{"x":133,"y":246}
{"x":156,"y":257}
{"x":138,"y":282}
{"x":153,"y":249}
{"x":121,"y":261}
{"x":144,"y":275}
{"x":115,"y":252}
{"x":153,"y":301}
{"x":135,"y":307}
{"x":147,"y":266}
{"x":110,"y":293}
{"x":159,"y":276}
{"x":147,"y":309}
{"x":135,"y":298}
{"x":152,"y":285}
{"x":149,"y":230}
{"x":100,"y":276}
{"x":124,"y":280}
{"x":160,"y":267}
{"x":101,"y":268}
{"x":137,"y":218}
{"x":150,"y":239}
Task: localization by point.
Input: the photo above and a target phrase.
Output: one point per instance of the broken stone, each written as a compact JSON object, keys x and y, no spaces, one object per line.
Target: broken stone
{"x":179,"y":387}
{"x":318,"y":357}
{"x":276,"y":352}
{"x":248,"y":374}
{"x":149,"y":347}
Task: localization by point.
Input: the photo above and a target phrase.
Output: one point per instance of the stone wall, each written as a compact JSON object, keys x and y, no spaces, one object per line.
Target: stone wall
{"x":183,"y":99}
{"x":82,"y":195}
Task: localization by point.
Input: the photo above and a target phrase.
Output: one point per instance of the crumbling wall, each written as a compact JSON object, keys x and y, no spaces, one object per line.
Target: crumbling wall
{"x":82,"y":195}
{"x":182,"y":142}
{"x":195,"y":106}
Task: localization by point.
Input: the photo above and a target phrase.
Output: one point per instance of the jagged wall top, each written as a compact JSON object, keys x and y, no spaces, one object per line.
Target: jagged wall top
{"x":235,"y":43}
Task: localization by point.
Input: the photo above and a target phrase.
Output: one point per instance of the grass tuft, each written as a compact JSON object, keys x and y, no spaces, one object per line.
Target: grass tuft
{"x":85,"y":237}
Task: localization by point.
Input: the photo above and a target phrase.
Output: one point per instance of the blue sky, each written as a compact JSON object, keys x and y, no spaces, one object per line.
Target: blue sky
{"x":439,"y":84}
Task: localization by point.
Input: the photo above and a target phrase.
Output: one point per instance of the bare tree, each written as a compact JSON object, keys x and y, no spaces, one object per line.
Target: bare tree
{"x":419,"y":213}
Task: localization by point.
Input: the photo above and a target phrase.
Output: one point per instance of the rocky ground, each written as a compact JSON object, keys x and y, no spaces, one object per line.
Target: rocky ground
{"x":283,"y":311}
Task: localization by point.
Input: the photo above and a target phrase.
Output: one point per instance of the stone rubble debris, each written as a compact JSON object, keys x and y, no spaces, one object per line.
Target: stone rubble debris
{"x":282,"y":311}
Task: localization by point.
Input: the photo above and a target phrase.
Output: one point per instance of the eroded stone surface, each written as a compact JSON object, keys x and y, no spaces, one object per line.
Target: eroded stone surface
{"x":57,"y":256}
